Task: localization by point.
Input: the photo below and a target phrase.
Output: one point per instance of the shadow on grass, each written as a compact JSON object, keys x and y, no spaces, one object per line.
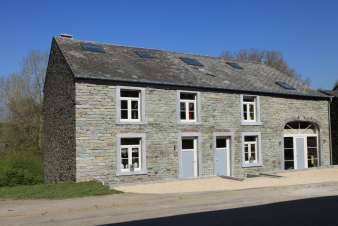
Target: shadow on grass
{"x":314,"y":211}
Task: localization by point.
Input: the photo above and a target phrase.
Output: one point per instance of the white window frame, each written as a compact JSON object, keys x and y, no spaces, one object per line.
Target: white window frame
{"x":256,"y":104}
{"x":130,"y":155}
{"x":142,"y":155}
{"x":141,"y":105}
{"x":303,"y":136}
{"x":259,"y":157}
{"x":196,"y":103}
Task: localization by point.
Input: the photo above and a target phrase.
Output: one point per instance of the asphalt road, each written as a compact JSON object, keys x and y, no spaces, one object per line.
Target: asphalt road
{"x":312,"y":204}
{"x":315,"y":211}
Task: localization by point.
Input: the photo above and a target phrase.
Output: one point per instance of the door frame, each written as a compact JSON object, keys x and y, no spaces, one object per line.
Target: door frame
{"x":197,"y":153}
{"x":304,"y":136}
{"x":230,"y":137}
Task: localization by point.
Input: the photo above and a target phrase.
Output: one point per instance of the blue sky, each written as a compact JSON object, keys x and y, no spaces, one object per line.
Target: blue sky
{"x":305,"y":31}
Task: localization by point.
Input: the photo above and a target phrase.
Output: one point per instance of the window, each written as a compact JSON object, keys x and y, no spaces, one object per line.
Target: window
{"x":92,"y":48}
{"x":251,"y":150}
{"x":312,"y":151}
{"x":234,"y":65}
{"x":191,"y":61}
{"x":285,"y":85}
{"x":131,"y":154}
{"x":288,"y":153}
{"x":188,"y":107}
{"x":250,"y":111}
{"x":188,"y":143}
{"x":221,"y":142}
{"x":130,"y":105}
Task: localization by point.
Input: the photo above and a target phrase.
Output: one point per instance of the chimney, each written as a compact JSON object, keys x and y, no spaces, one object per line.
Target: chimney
{"x":63,"y":35}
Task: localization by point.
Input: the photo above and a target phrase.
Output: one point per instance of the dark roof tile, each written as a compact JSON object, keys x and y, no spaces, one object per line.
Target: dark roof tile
{"x":120,"y":63}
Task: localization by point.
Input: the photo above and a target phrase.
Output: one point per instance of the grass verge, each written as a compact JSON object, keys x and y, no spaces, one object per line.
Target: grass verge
{"x":56,"y":191}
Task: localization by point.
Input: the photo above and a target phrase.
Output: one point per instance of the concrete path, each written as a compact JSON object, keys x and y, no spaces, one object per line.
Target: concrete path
{"x":308,"y":176}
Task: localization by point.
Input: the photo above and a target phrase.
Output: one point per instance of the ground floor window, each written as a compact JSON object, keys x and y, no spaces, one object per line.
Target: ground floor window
{"x":251,"y":150}
{"x":131,"y":154}
{"x":288,"y":153}
{"x":312,"y":151}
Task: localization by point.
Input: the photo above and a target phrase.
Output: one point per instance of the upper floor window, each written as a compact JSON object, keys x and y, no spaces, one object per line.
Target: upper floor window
{"x":250,"y":109}
{"x":130,"y":107}
{"x":188,"y":107}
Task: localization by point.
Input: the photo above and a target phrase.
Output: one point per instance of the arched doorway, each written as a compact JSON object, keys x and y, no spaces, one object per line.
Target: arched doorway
{"x":300,"y":145}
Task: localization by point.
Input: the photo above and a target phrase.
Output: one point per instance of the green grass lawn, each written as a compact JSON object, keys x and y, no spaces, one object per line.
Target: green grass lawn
{"x":55,"y":191}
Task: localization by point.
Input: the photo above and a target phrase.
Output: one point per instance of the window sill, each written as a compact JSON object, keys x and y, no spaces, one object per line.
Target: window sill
{"x":252,"y":165}
{"x":243,"y":123}
{"x":131,"y":173}
{"x":188,"y":123}
{"x":130,"y":123}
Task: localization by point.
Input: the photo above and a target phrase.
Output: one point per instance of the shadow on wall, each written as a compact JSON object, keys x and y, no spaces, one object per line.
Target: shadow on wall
{"x":315,"y":211}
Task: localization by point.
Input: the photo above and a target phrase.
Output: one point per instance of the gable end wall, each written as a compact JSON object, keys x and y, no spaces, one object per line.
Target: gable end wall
{"x":59,"y":120}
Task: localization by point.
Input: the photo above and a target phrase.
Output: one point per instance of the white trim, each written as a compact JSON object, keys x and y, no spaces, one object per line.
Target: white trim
{"x":259,"y":150}
{"x":197,"y":112}
{"x":141,"y":105}
{"x":143,"y":159}
{"x":257,"y":113}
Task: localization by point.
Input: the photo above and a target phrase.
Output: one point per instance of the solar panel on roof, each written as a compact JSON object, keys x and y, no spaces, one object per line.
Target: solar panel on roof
{"x":191,"y":61}
{"x":144,"y":55}
{"x":285,"y":85}
{"x":92,"y":48}
{"x":234,"y":65}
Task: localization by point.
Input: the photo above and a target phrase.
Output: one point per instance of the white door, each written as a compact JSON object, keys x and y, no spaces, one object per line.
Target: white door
{"x":189,"y":157}
{"x":222,"y":156}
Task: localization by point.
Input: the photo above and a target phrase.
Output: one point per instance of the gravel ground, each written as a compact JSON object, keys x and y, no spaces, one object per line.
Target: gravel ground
{"x":308,"y":176}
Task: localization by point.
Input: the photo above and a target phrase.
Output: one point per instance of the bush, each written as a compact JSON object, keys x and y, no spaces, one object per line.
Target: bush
{"x":23,"y":168}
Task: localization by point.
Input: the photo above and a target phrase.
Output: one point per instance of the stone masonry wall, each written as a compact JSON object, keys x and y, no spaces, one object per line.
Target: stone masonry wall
{"x":96,"y":131}
{"x":59,"y":120}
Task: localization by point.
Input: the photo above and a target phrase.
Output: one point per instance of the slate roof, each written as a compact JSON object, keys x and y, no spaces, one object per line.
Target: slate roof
{"x":122,"y":64}
{"x":332,"y":93}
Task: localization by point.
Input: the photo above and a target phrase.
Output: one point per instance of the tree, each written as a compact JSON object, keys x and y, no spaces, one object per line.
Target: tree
{"x":271,"y":58}
{"x":21,"y":99}
{"x":336,"y":85}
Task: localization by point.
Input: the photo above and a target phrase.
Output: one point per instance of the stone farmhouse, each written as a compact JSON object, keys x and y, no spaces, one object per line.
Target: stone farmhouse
{"x":122,"y":114}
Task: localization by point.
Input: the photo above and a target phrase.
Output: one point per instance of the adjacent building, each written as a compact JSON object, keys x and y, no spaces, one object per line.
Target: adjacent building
{"x":121,"y":114}
{"x":334,"y":121}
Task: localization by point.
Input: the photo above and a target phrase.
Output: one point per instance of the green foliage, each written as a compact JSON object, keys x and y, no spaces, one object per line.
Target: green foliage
{"x":56,"y":191}
{"x":20,"y":168}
